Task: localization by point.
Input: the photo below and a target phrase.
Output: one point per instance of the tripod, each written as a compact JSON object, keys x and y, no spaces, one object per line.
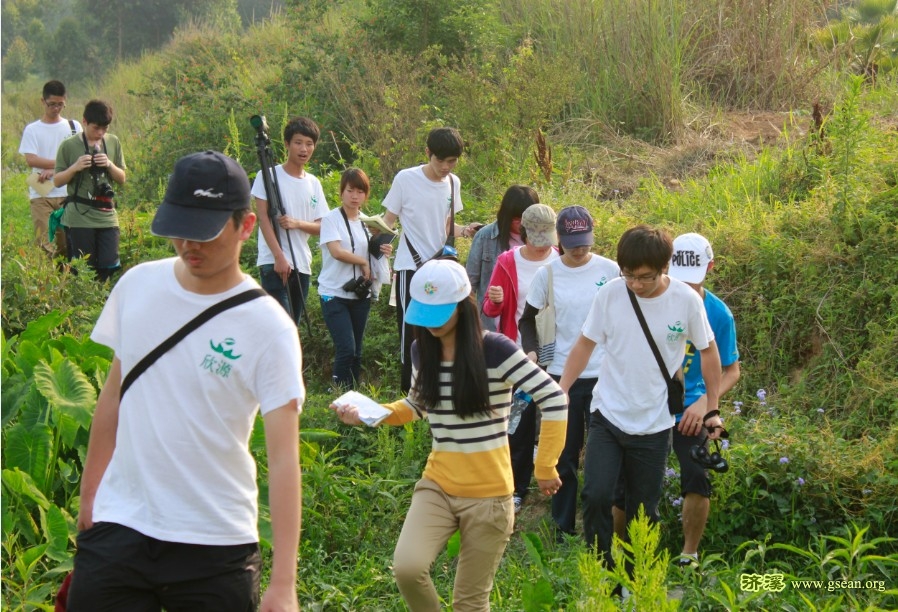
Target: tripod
{"x":276,"y":208}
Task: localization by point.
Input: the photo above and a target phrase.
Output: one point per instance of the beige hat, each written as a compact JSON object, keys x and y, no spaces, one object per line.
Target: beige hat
{"x":539,"y":221}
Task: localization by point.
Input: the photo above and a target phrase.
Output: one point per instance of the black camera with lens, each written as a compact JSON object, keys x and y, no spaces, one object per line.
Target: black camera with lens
{"x":360,"y":286}
{"x":710,"y":460}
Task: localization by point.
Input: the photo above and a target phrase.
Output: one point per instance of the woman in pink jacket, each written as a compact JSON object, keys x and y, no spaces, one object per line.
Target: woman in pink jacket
{"x":506,"y":298}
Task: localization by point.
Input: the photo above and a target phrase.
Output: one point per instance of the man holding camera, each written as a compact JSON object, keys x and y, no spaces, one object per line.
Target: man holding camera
{"x":88,"y":164}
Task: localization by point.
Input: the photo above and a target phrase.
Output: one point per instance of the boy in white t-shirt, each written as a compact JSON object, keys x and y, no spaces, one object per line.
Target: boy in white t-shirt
{"x":40,"y":140}
{"x":631,"y":425}
{"x":169,"y":501}
{"x":420,"y":199}
{"x":285,"y":259}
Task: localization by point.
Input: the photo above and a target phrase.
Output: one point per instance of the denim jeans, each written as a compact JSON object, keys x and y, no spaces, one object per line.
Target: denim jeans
{"x":297,"y":283}
{"x":640,"y":459}
{"x":564,"y":502}
{"x":346,"y":320}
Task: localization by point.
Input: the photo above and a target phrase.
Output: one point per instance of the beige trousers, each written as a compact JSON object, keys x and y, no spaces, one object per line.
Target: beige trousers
{"x":485,"y":526}
{"x":40,"y":216}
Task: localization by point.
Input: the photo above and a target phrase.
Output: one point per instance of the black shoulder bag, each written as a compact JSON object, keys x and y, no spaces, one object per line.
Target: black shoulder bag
{"x":168,"y":344}
{"x":447,"y":251}
{"x":676,"y":391}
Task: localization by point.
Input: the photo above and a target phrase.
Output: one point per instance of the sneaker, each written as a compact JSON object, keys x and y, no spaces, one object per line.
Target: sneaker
{"x":518,"y":503}
{"x":685,"y":562}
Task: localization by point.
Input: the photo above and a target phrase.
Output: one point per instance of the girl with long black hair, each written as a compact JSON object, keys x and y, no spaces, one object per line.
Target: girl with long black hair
{"x":462,"y":381}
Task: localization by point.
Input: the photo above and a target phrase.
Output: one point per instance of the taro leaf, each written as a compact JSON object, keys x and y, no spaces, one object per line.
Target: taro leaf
{"x":29,"y":449}
{"x":27,"y":561}
{"x":67,"y":389}
{"x":28,"y":356}
{"x":19,"y":483}
{"x":14,"y":389}
{"x":453,"y":546}
{"x":56,"y":533}
{"x":39,"y":329}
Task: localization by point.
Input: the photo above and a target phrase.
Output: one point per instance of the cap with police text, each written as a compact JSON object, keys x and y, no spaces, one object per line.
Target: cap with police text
{"x":691,"y":255}
{"x":539,"y":221}
{"x":203,"y":192}
{"x":436,"y":288}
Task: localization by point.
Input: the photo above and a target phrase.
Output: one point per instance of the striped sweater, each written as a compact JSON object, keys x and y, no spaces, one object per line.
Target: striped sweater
{"x":470,"y":457}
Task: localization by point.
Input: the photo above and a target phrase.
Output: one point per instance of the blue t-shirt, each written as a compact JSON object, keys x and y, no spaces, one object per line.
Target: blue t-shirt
{"x":724,"y":326}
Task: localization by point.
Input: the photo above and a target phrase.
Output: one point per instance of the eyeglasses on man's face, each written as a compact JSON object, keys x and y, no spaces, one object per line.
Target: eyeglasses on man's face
{"x":642,"y":278}
{"x":55,"y":104}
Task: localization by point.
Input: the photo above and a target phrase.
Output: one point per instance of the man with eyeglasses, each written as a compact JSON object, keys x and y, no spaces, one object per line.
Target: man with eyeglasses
{"x":630,"y":429}
{"x":40,"y":140}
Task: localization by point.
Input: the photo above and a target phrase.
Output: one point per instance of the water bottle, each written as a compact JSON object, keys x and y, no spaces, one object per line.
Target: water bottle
{"x":519,"y":402}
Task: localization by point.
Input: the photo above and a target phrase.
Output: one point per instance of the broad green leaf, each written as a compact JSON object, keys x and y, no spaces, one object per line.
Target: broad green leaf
{"x":534,"y":547}
{"x":39,"y":329}
{"x":28,"y":559}
{"x":14,"y":389}
{"x":28,"y":356}
{"x":56,"y":533}
{"x":538,"y":596}
{"x":67,"y":389}
{"x":29,"y":450}
{"x":19,"y":483}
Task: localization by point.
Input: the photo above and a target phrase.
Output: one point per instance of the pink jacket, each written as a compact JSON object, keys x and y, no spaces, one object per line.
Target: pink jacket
{"x":505,"y":274}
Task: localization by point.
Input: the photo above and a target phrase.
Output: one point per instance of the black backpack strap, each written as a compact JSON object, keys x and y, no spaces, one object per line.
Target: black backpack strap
{"x":648,"y":335}
{"x":168,"y":344}
{"x":72,"y":126}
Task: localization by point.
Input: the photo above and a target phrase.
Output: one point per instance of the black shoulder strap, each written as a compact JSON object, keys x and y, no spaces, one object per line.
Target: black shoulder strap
{"x":167,"y":345}
{"x":72,"y":126}
{"x":648,"y":336}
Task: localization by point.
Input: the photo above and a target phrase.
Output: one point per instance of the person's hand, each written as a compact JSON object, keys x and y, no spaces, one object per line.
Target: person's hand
{"x":86,"y":514}
{"x":714,"y":425}
{"x":691,"y":422}
{"x":349,"y":415}
{"x":386,"y":249}
{"x":282,"y":267}
{"x":532,"y":356}
{"x":549,"y":487}
{"x":82,"y":163}
{"x":366,"y":270}
{"x":288,"y":222}
{"x":495,"y":294}
{"x":101,"y":160}
{"x":45,"y":175}
{"x":279,"y":599}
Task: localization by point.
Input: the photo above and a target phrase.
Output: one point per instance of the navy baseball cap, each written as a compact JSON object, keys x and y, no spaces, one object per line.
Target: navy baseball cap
{"x":203,"y":192}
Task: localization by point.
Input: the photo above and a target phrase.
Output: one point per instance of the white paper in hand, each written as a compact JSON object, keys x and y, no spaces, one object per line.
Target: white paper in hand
{"x":371,"y":413}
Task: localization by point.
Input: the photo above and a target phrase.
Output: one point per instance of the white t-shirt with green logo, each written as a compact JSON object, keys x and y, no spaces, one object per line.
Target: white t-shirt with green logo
{"x":181,"y":470}
{"x":631,"y":392}
{"x":573,"y":289}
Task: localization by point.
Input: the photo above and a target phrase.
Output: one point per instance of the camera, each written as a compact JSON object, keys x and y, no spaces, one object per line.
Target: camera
{"x":104,"y":192}
{"x":710,"y":460}
{"x":361,"y":286}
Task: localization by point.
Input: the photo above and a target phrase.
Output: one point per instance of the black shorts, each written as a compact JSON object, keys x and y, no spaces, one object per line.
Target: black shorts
{"x":99,"y":244}
{"x":693,"y":477}
{"x":118,"y":568}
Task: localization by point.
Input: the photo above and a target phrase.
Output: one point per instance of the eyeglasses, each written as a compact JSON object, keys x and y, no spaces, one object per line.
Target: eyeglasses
{"x":642,"y":278}
{"x":55,"y":104}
